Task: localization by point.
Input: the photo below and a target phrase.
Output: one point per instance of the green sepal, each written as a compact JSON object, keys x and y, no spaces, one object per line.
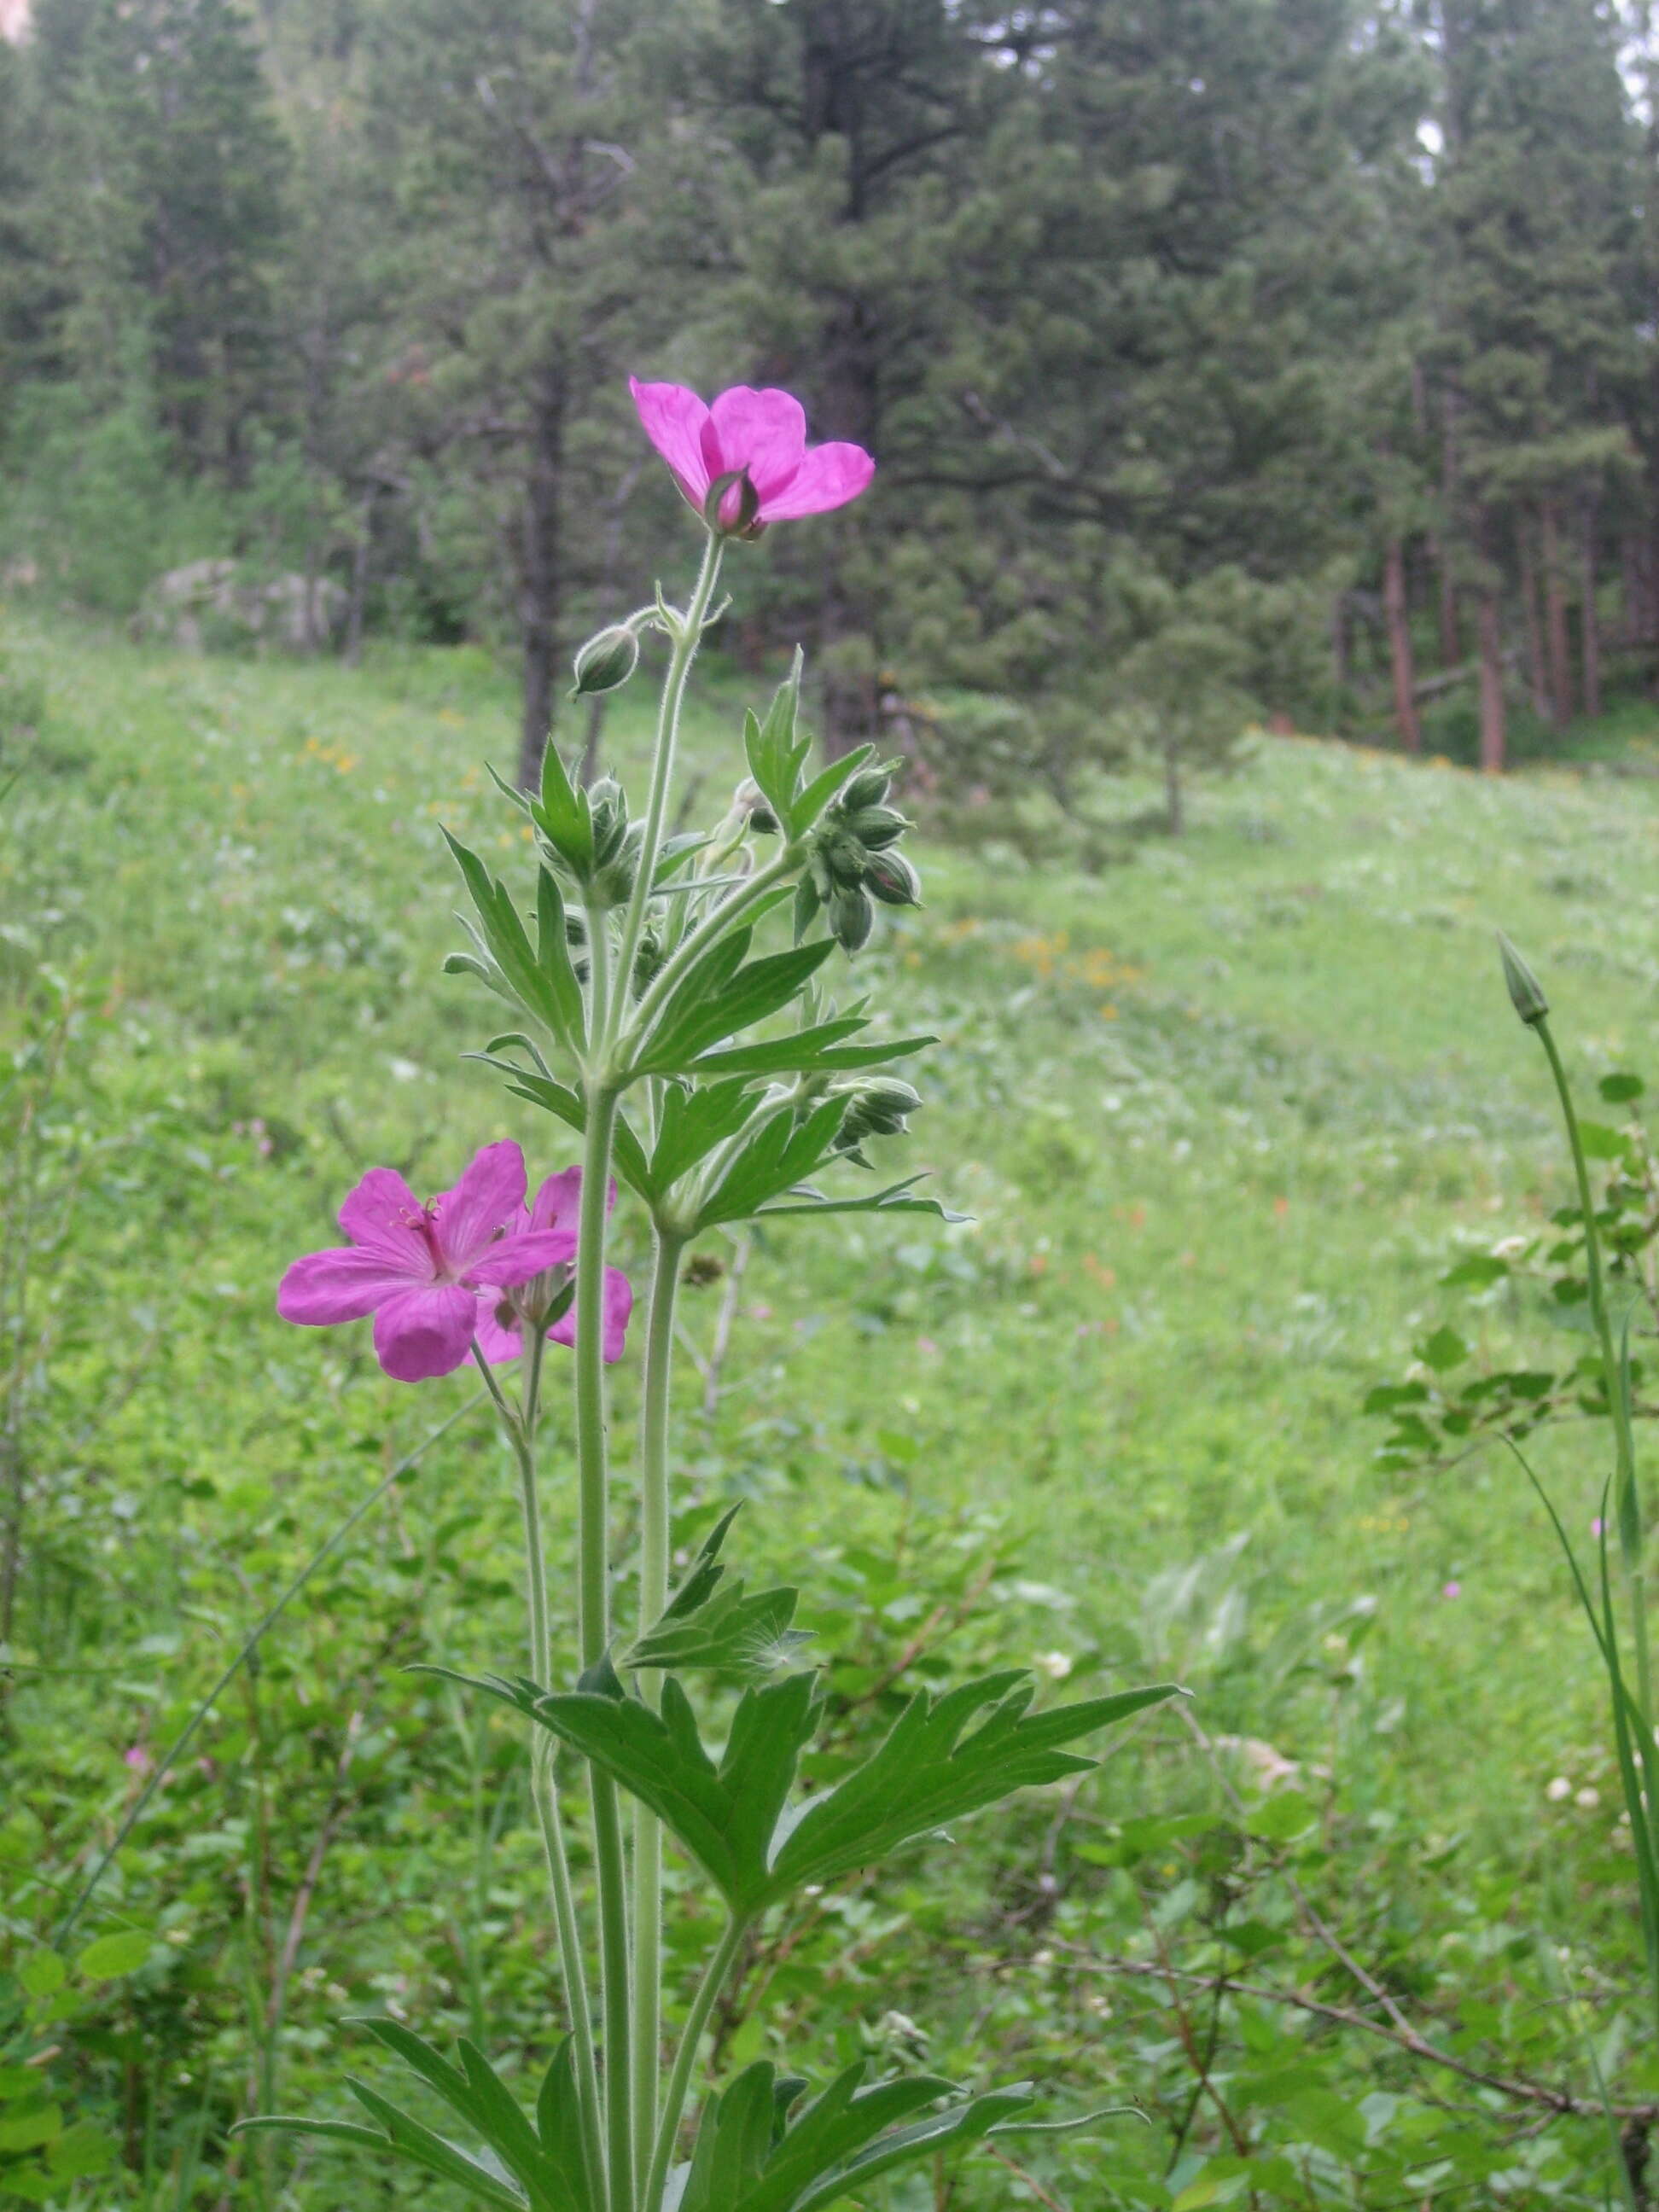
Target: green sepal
{"x":710,"y":1623}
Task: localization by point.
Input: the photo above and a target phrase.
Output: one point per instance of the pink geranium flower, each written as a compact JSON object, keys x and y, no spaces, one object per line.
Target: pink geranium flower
{"x":759,"y":435}
{"x":554,"y":1213}
{"x":430,"y":1275}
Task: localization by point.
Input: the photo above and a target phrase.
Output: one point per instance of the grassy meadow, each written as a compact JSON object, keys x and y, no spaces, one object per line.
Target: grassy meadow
{"x":1219,"y":1118}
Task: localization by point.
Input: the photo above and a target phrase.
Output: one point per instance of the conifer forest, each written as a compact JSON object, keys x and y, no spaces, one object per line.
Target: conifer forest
{"x":828,"y":1217}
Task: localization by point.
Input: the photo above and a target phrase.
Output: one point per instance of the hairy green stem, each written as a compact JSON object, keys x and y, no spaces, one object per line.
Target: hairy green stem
{"x":1628,"y":1502}
{"x":686,"y":638}
{"x":593,"y":1622}
{"x":521,"y":1434}
{"x":654,"y":1522}
{"x":685,"y":2059}
{"x":714,"y":925}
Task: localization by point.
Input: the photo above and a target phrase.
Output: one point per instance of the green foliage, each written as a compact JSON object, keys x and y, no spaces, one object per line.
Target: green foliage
{"x":1049,"y":1418}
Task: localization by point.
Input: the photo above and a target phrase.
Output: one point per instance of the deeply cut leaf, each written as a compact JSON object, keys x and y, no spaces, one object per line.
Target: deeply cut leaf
{"x":840,"y":2142}
{"x":711,"y":1623}
{"x":730,"y":1817}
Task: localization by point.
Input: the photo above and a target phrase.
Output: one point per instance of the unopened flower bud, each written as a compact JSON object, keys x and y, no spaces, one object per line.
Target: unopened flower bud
{"x":733,"y":505}
{"x":876,"y":827}
{"x":607,"y":659}
{"x":843,"y":856}
{"x":868,"y":787}
{"x":1526,"y":992}
{"x":878,"y":1109}
{"x":890,"y":878}
{"x":850,"y":917}
{"x":539,"y":1302}
{"x":750,"y":802}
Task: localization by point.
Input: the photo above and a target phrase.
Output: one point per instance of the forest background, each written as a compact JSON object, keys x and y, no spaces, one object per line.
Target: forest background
{"x":1222,"y":357}
{"x":1233,"y":367}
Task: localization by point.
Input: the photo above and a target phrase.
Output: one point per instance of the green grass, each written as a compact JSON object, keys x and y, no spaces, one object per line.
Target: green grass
{"x":1219,"y":1116}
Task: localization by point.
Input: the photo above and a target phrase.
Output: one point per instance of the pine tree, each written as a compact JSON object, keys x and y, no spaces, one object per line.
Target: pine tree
{"x":1535,"y":197}
{"x":522,"y":289}
{"x":161,"y":207}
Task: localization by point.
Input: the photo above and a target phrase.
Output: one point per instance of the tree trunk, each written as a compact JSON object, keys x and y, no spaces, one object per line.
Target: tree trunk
{"x":540,"y":575}
{"x":1555,"y":619}
{"x":1589,"y":636}
{"x":355,"y":605}
{"x":1491,"y":686}
{"x":1341,"y":642}
{"x":1175,"y":805}
{"x":1451,"y":642}
{"x":1633,"y":588}
{"x":1537,"y":666}
{"x":1400,"y":648}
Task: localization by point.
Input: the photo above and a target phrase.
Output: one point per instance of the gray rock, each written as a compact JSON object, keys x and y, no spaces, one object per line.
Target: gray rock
{"x":228,"y":606}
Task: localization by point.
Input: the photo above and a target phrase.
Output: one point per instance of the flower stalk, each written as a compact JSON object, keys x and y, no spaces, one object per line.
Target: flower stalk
{"x":654,"y":1527}
{"x":741,"y":1098}
{"x":687,"y":632}
{"x":1627,"y":1507}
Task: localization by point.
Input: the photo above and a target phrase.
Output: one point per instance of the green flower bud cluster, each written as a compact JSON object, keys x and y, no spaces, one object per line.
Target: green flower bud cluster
{"x":854,"y":859}
{"x":878,"y":1108}
{"x":603,"y":873}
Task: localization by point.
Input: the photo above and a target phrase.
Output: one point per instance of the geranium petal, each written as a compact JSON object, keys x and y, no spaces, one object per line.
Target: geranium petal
{"x":764,"y":432}
{"x":486,"y":1200}
{"x":829,"y":476}
{"x":421,"y":1333}
{"x":618,"y":1304}
{"x":558,"y":1203}
{"x":343,"y":1285}
{"x":384,"y":1212}
{"x":673,"y":420}
{"x":516,"y":1258}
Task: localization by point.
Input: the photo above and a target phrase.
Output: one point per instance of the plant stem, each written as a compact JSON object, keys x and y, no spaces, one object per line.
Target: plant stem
{"x":713,"y":924}
{"x":1628,"y":1502}
{"x":521,"y":1433}
{"x":594,"y":1621}
{"x":685,"y":2059}
{"x":654,"y":1522}
{"x":687,"y":639}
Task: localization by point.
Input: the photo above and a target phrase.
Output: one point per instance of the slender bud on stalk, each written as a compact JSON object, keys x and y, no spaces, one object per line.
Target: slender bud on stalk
{"x":1526,"y":992}
{"x":607,"y":660}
